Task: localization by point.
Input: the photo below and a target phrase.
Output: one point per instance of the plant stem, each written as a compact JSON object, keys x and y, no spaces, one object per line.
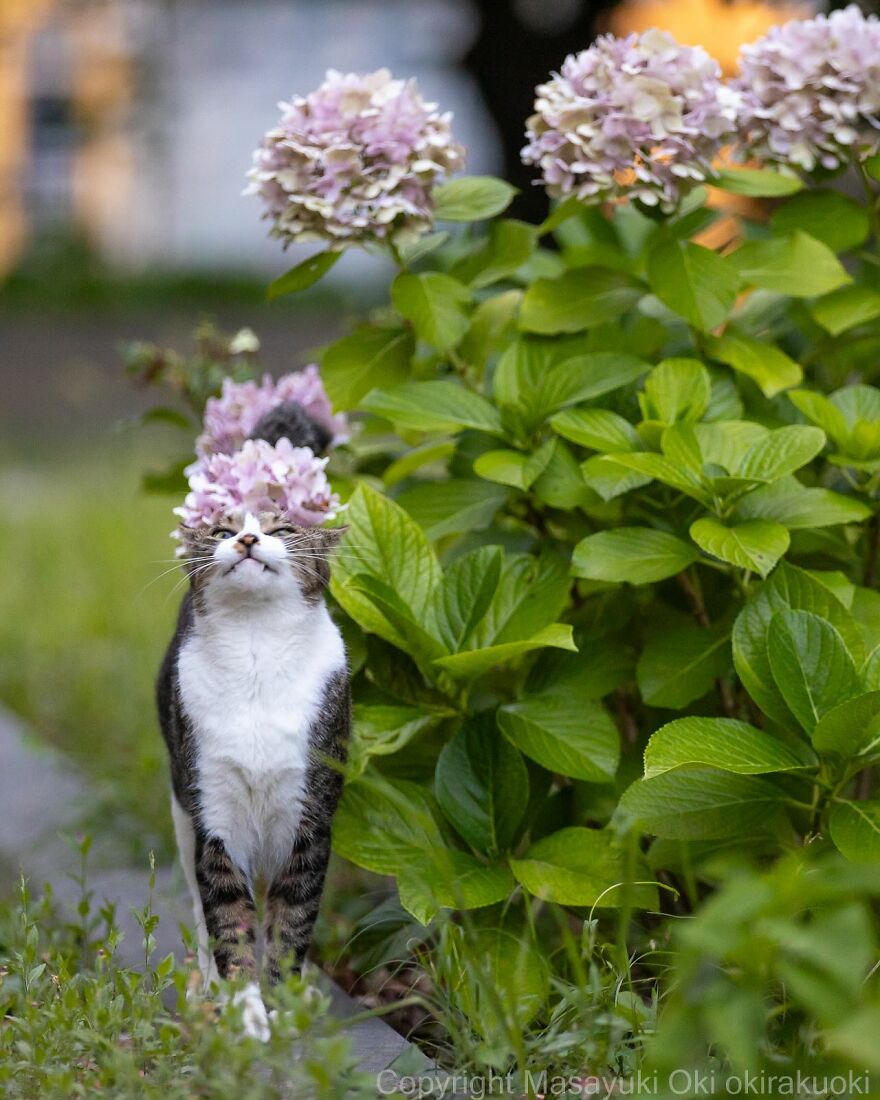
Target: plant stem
{"x":694,"y":597}
{"x":698,"y":609}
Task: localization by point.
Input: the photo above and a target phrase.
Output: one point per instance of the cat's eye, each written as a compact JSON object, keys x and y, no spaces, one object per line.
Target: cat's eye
{"x":283,"y":531}
{"x":222,"y":533}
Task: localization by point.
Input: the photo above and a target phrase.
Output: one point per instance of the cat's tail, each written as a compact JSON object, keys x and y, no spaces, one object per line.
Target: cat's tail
{"x":290,"y":421}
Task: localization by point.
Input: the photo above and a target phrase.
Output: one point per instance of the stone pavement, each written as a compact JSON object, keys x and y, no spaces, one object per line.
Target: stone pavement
{"x":43,"y":797}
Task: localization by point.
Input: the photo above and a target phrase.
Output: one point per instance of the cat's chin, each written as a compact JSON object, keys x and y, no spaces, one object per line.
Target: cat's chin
{"x":249,"y":575}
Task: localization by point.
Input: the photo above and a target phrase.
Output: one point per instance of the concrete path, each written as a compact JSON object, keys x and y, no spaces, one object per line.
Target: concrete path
{"x":42,"y":797}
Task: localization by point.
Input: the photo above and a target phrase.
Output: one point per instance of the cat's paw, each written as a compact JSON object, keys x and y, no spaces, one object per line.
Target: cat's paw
{"x":254,"y":1018}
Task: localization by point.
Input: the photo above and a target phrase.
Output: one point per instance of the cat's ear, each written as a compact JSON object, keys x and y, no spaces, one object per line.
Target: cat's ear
{"x":332,"y":536}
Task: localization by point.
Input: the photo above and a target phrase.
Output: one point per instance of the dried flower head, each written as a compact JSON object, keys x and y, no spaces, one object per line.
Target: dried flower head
{"x":811,"y":91}
{"x":356,"y":160}
{"x":288,"y":480}
{"x":231,"y":418}
{"x":638,"y":117}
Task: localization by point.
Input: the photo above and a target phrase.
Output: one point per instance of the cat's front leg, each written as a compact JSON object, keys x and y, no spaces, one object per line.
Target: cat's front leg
{"x":228,"y":907}
{"x":230,"y":917}
{"x":293,"y":899}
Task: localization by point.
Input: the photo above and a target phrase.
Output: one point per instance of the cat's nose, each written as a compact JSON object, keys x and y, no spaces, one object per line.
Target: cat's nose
{"x":248,"y":540}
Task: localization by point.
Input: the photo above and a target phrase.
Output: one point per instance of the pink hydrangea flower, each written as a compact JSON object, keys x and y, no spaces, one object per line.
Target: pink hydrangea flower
{"x":811,"y":91}
{"x":638,"y":117}
{"x":259,"y":478}
{"x":355,"y":160}
{"x":230,"y":418}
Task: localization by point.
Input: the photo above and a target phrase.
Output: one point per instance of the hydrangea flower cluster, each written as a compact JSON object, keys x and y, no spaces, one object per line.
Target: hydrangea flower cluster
{"x":231,"y":417}
{"x":637,"y":117}
{"x":258,"y":478}
{"x":811,"y":91}
{"x":356,"y":160}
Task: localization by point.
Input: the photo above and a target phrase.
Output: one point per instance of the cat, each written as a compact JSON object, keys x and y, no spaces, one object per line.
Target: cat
{"x":254,"y":705}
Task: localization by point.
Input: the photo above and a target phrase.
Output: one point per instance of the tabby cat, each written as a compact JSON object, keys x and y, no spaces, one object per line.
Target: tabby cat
{"x":254,"y":705}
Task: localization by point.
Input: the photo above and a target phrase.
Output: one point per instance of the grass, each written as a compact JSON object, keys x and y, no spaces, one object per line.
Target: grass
{"x":76,"y":1023}
{"x":84,"y":621}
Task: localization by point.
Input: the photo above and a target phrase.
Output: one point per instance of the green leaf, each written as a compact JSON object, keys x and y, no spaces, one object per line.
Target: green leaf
{"x":482,"y":786}
{"x":172,"y":479}
{"x":532,"y":593}
{"x":419,"y":635}
{"x":693,"y":282}
{"x":638,"y":555}
{"x":811,"y":665}
{"x":788,"y":587}
{"x":370,"y":357}
{"x":382,"y":730}
{"x":846,"y":308}
{"x":391,"y":828}
{"x":436,"y":305}
{"x":164,"y":415}
{"x":680,"y":665}
{"x":855,"y":829}
{"x":609,"y":479}
{"x":561,"y":483}
{"x":757,"y":544}
{"x":386,"y":543}
{"x":465,"y":594}
{"x":725,"y":443}
{"x":850,"y":729}
{"x":436,"y":406}
{"x":584,"y":377}
{"x":580,"y":299}
{"x":433,"y":451}
{"x":384,"y":825}
{"x":817,"y":407}
{"x":584,"y":867}
{"x":660,"y":467}
{"x":564,"y":732}
{"x":768,"y":366}
{"x":797,"y":265}
{"x":599,"y":429}
{"x":472,"y":663}
{"x":493,"y":325}
{"x":509,"y":246}
{"x":472,"y":199}
{"x":759,"y":183}
{"x":831,"y":217}
{"x":304,"y":275}
{"x":702,"y":804}
{"x":498,"y":978}
{"x":514,"y":468}
{"x":795,"y":506}
{"x":781,"y":452}
{"x":454,"y":506}
{"x":446,"y":878}
{"x":724,"y":743}
{"x":677,"y":389}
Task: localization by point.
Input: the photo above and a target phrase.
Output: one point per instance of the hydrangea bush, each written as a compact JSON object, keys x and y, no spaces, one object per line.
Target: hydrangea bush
{"x":259,"y":477}
{"x":354,"y":161}
{"x":811,"y":91}
{"x":231,"y":418}
{"x":609,"y":590}
{"x":638,"y":117}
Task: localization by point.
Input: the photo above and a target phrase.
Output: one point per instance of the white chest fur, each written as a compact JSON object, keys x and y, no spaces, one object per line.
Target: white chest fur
{"x":252,"y":682}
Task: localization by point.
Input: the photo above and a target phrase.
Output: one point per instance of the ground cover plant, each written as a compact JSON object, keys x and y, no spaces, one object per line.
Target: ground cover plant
{"x":77,"y":1022}
{"x":609,"y":588}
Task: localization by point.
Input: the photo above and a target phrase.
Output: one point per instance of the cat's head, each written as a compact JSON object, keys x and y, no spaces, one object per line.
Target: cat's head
{"x":242,"y":556}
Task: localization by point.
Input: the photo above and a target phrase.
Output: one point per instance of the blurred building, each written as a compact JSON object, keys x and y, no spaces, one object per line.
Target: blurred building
{"x":131,"y":122}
